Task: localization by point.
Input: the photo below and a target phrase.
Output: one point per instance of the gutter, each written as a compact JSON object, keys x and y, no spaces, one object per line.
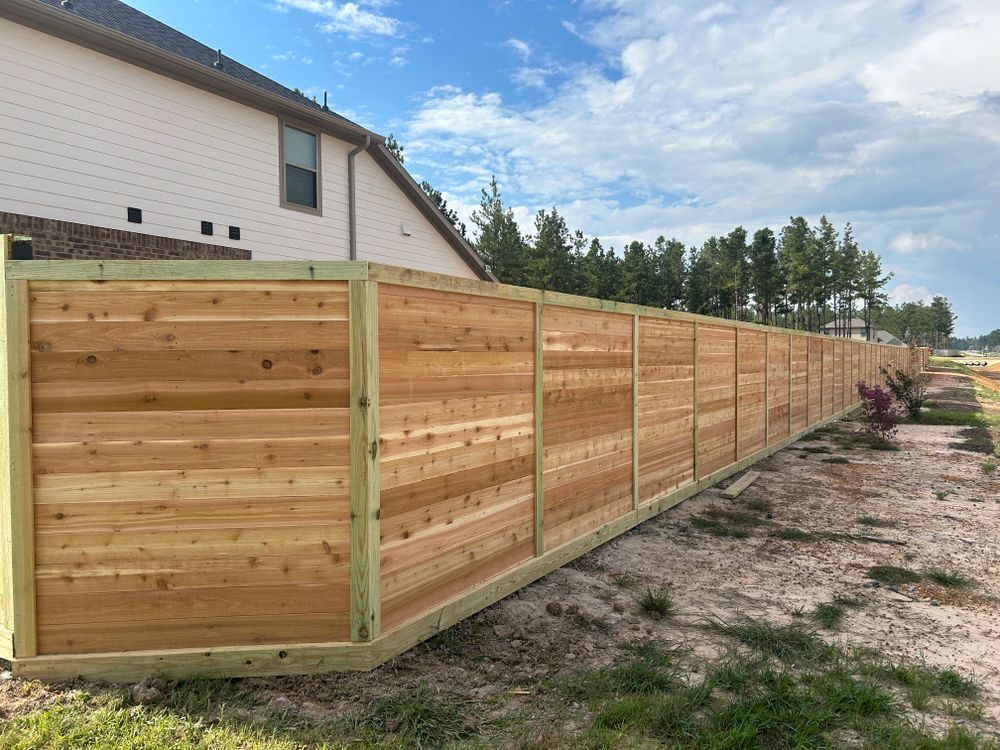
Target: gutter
{"x":352,"y":202}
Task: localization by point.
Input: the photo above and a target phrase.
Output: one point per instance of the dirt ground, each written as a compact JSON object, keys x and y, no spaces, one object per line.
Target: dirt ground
{"x":932,"y":496}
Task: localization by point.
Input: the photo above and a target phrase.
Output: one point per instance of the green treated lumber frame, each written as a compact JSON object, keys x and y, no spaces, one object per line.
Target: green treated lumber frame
{"x":365,"y":483}
{"x":538,"y":434}
{"x":635,"y":412}
{"x":17,"y":523}
{"x":369,"y":647}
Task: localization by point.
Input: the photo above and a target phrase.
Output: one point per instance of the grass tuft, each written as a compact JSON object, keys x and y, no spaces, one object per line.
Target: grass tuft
{"x":785,"y":642}
{"x":657,"y":603}
{"x":946,"y":579}
{"x":892,"y":575}
{"x":420,"y":719}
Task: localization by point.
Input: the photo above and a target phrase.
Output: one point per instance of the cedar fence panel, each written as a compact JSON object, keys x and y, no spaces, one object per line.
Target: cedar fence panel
{"x":267,"y":468}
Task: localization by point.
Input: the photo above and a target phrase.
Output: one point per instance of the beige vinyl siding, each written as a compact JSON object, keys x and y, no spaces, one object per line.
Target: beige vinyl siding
{"x":83,"y":136}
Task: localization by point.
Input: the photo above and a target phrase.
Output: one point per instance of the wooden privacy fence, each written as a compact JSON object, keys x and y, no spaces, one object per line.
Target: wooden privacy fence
{"x":260,"y":468}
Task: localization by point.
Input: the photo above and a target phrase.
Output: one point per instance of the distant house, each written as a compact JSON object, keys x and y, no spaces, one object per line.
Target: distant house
{"x":122,"y":134}
{"x":858,"y":330}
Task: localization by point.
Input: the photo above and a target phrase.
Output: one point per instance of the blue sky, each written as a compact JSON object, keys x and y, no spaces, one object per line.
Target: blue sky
{"x":645,"y":117}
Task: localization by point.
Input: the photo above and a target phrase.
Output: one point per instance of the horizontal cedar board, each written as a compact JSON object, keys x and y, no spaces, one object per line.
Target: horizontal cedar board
{"x":83,"y":638}
{"x":401,"y":391}
{"x":181,"y":573}
{"x":399,"y":418}
{"x":178,"y":604}
{"x":428,"y":441}
{"x":138,"y":515}
{"x":409,"y":496}
{"x":188,"y":302}
{"x":190,"y":485}
{"x":184,"y":335}
{"x":192,"y":424}
{"x":404,"y":524}
{"x":138,"y":455}
{"x":415,"y":469}
{"x":181,"y":396}
{"x":153,"y":547}
{"x":281,"y":364}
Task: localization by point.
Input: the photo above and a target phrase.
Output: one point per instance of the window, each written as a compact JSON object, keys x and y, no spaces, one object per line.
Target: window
{"x":300,"y":179}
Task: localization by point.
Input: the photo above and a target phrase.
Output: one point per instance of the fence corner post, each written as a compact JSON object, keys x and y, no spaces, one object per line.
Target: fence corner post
{"x":694,"y":408}
{"x":365,"y":485}
{"x":17,"y":523}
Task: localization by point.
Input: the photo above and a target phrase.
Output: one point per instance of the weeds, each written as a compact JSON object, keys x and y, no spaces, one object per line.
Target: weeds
{"x":946,"y":579}
{"x":785,"y":642}
{"x":420,"y":719}
{"x":731,"y":523}
{"x":836,"y":460}
{"x":657,"y":603}
{"x":792,"y":534}
{"x":989,"y":466}
{"x":892,"y":575}
{"x":941,"y":494}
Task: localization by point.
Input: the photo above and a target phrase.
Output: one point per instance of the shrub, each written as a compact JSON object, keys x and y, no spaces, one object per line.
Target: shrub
{"x":877,"y":412}
{"x":907,"y":389}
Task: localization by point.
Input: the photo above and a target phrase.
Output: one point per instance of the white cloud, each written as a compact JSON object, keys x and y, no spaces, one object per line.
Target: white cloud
{"x":909,"y":243}
{"x":397,"y":57}
{"x":352,"y":19}
{"x":908,"y":293}
{"x":521,"y":47}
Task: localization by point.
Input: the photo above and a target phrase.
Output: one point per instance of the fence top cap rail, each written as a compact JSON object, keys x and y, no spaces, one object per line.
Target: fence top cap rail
{"x":172,"y":270}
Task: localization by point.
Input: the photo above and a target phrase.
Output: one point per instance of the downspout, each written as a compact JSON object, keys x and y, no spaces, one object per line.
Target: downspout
{"x":351,"y":200}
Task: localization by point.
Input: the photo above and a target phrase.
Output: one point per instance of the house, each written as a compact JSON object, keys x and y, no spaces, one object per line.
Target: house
{"x":122,"y":137}
{"x":859,"y":330}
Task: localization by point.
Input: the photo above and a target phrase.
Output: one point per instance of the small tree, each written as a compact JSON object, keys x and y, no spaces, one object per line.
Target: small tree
{"x":909,"y":390}
{"x":878,"y":413}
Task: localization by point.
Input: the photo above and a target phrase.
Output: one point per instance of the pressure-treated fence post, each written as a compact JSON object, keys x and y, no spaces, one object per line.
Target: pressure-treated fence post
{"x":635,"y":412}
{"x":736,"y":393}
{"x":366,"y":608}
{"x":767,"y":388}
{"x":539,"y":434}
{"x":789,"y":385}
{"x":17,"y":523}
{"x":694,"y":398}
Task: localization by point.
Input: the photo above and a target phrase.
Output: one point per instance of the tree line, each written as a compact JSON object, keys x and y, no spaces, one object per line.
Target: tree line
{"x":924,"y":324}
{"x":986,"y":342}
{"x":801,"y":276}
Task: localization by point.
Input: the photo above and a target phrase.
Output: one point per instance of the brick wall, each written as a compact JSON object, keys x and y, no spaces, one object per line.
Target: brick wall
{"x":65,"y":240}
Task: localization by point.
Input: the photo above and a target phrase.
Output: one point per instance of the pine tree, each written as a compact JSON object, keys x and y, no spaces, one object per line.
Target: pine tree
{"x":438,"y":200}
{"x":668,"y":257}
{"x":498,"y":238}
{"x":766,"y":278}
{"x":550,"y":263}
{"x":872,"y":284}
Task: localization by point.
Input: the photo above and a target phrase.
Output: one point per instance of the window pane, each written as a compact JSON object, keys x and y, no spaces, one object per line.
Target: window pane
{"x":300,"y":148}
{"x":300,"y":186}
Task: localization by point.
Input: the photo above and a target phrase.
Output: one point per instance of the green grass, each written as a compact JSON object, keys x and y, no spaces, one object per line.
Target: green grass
{"x":793,"y":534}
{"x":657,"y":603}
{"x":837,"y":460}
{"x":892,"y":575}
{"x":420,"y":719}
{"x":947,"y":579}
{"x":831,"y":615}
{"x":815,"y":449}
{"x":779,"y":687}
{"x":769,"y":692}
{"x":732,"y":522}
{"x":960,"y":418}
{"x":877,"y":523}
{"x":784,"y":642}
{"x":988,"y":467}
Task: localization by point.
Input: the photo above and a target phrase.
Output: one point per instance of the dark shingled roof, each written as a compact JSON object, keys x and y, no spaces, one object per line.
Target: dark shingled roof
{"x":125,"y":19}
